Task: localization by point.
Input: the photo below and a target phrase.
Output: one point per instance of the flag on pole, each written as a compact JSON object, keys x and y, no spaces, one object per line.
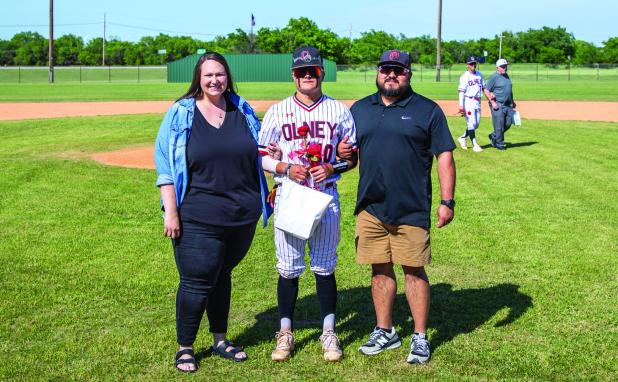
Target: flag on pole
{"x":252,"y":20}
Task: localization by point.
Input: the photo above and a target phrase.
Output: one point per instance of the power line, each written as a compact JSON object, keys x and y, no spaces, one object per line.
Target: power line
{"x":160,"y":30}
{"x":46,"y":25}
{"x":133,"y":18}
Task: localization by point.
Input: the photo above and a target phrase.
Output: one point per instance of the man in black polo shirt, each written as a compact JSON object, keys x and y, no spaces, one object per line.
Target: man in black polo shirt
{"x":398,"y":134}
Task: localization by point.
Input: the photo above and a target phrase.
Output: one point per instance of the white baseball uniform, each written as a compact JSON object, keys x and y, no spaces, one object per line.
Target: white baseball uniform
{"x":470,"y":88}
{"x":328,"y":121}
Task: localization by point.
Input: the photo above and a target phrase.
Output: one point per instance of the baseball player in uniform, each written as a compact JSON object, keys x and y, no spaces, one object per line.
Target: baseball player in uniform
{"x":328,"y":122}
{"x":471,"y":85}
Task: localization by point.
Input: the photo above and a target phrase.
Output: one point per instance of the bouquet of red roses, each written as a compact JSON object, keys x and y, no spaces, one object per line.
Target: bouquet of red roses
{"x":310,"y":153}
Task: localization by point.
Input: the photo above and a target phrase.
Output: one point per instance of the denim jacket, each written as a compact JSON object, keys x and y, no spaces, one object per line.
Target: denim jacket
{"x":170,"y":152}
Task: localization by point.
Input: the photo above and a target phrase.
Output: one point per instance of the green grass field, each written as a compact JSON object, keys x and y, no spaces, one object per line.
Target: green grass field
{"x":524,"y":281}
{"x":525,"y":90}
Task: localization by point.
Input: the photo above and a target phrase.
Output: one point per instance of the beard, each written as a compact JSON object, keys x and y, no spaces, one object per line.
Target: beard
{"x":398,"y":92}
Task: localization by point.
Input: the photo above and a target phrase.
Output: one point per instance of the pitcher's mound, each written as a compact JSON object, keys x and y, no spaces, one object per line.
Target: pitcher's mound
{"x":134,"y":157}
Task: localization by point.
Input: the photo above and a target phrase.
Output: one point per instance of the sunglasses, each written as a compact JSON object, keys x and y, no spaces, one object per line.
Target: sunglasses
{"x":312,"y":71}
{"x":399,"y":70}
{"x":502,"y":66}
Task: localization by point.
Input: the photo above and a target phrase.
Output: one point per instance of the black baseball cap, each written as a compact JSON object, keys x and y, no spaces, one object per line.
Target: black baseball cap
{"x":471,"y":59}
{"x":395,"y":57}
{"x":306,"y":56}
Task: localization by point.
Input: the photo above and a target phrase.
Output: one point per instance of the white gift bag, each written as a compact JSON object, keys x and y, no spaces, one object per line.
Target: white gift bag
{"x":300,"y":209}
{"x":516,"y":118}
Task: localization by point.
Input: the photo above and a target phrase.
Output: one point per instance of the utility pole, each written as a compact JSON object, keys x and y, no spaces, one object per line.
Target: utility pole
{"x":104,"y":37}
{"x":251,"y":36}
{"x":438,"y":53}
{"x":500,"y":50}
{"x":51,"y":41}
{"x":350,"y":47}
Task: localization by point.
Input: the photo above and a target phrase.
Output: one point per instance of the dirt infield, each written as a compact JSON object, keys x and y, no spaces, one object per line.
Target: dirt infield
{"x":142,"y":157}
{"x":556,"y":110}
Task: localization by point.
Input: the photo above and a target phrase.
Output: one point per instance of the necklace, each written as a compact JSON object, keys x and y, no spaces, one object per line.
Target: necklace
{"x":212,"y":111}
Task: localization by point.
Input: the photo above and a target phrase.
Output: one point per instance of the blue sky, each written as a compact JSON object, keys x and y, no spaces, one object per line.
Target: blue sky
{"x":593,"y":21}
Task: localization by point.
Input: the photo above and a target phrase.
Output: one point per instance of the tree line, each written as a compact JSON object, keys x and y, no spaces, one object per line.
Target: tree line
{"x":545,"y":45}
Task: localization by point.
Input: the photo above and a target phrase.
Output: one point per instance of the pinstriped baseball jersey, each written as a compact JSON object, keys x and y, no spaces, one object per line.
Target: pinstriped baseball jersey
{"x":471,"y":84}
{"x":471,"y":87}
{"x":328,"y":121}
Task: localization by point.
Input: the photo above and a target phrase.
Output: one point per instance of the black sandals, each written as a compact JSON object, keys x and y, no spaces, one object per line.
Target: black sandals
{"x":191,"y":360}
{"x":221,"y":350}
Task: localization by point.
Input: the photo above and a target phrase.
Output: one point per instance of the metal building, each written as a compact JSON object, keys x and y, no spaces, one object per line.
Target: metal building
{"x":248,"y":68}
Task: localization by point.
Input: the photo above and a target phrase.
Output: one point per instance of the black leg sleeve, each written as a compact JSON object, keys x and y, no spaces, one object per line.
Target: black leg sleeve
{"x":287,"y":293}
{"x":326,"y":287}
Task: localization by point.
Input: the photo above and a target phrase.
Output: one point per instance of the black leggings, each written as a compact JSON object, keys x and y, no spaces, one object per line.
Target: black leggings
{"x":205,"y":256}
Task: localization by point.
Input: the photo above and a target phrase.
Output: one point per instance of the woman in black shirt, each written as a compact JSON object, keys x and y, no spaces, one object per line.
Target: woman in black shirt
{"x":212,"y":190}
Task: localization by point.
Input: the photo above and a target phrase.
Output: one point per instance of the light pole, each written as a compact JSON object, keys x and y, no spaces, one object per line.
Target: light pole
{"x":51,"y":42}
{"x":569,"y":64}
{"x":438,"y":60}
{"x":104,"y":37}
{"x":500,"y":50}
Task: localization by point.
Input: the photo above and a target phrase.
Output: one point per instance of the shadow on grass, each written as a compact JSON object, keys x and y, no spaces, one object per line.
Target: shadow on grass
{"x":510,"y":145}
{"x":455,"y":312}
{"x":452,"y":312}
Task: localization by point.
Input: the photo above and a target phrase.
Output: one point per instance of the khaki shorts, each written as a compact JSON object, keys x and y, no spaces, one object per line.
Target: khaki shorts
{"x":378,"y":243}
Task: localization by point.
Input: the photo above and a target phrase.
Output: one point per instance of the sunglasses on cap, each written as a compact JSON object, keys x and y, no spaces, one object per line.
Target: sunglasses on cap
{"x":313,"y":71}
{"x":399,"y":70}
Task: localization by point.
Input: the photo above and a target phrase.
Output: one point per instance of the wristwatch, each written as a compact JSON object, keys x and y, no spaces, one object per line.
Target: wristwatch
{"x":287,"y":169}
{"x":450,"y":203}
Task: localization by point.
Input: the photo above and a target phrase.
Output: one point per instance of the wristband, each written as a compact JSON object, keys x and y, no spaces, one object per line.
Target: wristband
{"x":340,"y":166}
{"x":450,"y":203}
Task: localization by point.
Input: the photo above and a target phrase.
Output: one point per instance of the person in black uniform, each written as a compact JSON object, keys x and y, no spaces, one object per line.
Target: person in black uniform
{"x":399,"y":132}
{"x":213,"y":193}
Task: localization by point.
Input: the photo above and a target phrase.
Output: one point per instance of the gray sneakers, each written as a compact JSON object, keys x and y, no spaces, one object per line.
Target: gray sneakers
{"x":380,"y":340}
{"x":419,"y":349}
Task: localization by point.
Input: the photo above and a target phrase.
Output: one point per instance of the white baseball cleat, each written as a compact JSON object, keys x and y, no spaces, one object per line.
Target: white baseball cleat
{"x":462,"y":143}
{"x":285,"y":346}
{"x":476,"y":148}
{"x":331,"y":346}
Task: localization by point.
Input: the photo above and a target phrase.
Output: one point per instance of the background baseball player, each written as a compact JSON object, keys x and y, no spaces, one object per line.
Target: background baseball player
{"x":471,"y":85}
{"x":328,"y":122}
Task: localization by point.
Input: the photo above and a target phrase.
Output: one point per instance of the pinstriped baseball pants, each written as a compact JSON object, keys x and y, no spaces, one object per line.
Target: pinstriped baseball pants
{"x":290,"y":250}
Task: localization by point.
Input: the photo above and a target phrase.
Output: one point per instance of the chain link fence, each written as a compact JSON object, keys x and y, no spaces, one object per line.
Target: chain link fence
{"x":518,"y":72}
{"x":83,"y":74}
{"x":345,"y":73}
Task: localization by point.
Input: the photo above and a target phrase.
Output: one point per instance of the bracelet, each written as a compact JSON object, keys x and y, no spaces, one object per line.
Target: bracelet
{"x":287,"y":169}
{"x":340,"y":166}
